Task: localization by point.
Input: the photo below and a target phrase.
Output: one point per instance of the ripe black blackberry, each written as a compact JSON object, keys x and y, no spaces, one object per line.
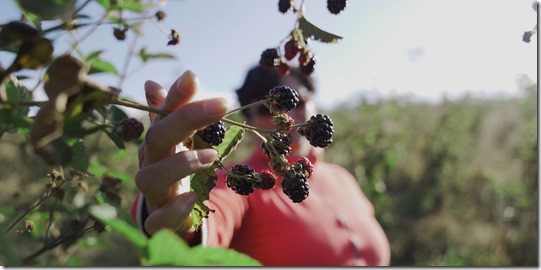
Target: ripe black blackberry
{"x":279,"y":142}
{"x":305,"y":166}
{"x":284,"y":98}
{"x":309,"y":67}
{"x":295,"y":186}
{"x":120,"y":34}
{"x":129,"y":129}
{"x":318,"y":130}
{"x":291,"y":49}
{"x":213,"y":134}
{"x":239,"y":180}
{"x":336,"y":6}
{"x":267,"y":180}
{"x":269,"y":58}
{"x":284,"y":5}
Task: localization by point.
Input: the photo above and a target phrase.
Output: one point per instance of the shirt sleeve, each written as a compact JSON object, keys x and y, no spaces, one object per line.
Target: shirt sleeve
{"x":229,"y":211}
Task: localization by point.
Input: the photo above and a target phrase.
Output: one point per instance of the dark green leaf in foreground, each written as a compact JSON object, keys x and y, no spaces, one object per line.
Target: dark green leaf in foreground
{"x":165,"y":248}
{"x":223,"y":257}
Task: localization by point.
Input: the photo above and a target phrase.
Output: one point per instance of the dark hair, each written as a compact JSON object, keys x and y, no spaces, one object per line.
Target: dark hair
{"x":260,"y":80}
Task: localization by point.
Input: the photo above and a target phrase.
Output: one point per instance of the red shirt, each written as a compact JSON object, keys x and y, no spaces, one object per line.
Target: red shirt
{"x":334,"y":226}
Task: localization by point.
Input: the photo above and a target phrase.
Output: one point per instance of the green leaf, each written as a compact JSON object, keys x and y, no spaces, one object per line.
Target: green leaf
{"x":116,"y":114}
{"x":233,"y":136}
{"x":105,"y":4}
{"x":223,"y":257}
{"x":106,"y":214}
{"x":116,"y":139}
{"x":15,"y":119}
{"x":147,"y":56}
{"x":8,"y":254}
{"x":165,"y":248}
{"x":93,"y":56}
{"x":202,"y":183}
{"x":129,"y":5}
{"x":99,"y":65}
{"x":80,"y":159}
{"x":309,"y":30}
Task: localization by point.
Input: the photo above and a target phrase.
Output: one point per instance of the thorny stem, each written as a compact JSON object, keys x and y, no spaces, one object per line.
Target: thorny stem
{"x":38,"y":203}
{"x":232,"y":122}
{"x":51,"y":217}
{"x":78,"y":232}
{"x":248,"y":106}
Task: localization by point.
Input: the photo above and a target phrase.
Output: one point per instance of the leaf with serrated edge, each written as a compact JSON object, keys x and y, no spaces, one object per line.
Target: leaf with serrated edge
{"x":165,"y":248}
{"x":203,"y":182}
{"x":309,"y":30}
{"x":233,"y":136}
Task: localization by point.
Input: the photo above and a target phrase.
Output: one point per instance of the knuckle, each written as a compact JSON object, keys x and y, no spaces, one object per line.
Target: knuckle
{"x":141,"y":180}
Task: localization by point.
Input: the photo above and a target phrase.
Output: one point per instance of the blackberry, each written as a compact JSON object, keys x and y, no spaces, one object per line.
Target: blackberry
{"x":310,"y":67}
{"x":120,"y":34}
{"x":160,"y":15}
{"x":291,"y":49}
{"x":282,"y":69}
{"x":269,"y":58}
{"x":267,"y":180}
{"x":284,"y":98}
{"x":295,"y":186}
{"x":318,"y":130}
{"x":305,"y":166}
{"x":284,"y":5}
{"x":279,"y":142}
{"x":129,"y":129}
{"x":336,"y":6}
{"x":239,"y":180}
{"x":213,"y":134}
{"x":305,"y":58}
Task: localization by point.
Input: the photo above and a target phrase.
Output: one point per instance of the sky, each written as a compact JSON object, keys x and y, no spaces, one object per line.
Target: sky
{"x":425,"y":49}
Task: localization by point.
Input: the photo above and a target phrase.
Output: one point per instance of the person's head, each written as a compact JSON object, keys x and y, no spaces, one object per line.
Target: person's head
{"x":259,"y":80}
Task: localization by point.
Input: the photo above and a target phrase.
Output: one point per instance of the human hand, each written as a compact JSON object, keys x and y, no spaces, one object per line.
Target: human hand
{"x":163,"y":162}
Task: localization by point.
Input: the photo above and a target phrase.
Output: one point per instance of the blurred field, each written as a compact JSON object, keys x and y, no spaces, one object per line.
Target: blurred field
{"x":453,"y":184}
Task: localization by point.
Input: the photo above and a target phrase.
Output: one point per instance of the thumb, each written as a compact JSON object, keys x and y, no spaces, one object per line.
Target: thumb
{"x":172,"y":215}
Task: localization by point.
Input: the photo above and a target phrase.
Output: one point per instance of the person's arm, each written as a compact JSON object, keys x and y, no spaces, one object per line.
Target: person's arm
{"x":162,"y":162}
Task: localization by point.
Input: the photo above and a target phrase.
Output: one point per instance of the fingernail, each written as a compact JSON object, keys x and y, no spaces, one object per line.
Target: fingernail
{"x":186,"y":80}
{"x":148,"y":85}
{"x":206,"y":156}
{"x":215,"y":106}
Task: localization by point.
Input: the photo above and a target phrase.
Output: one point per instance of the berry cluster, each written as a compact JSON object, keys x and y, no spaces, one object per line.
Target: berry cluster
{"x":271,"y":58}
{"x":277,"y":145}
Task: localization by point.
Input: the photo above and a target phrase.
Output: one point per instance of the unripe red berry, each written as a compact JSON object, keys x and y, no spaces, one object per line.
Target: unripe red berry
{"x":291,"y":48}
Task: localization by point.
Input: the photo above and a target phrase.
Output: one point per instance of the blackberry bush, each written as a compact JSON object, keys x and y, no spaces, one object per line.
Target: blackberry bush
{"x":213,"y":134}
